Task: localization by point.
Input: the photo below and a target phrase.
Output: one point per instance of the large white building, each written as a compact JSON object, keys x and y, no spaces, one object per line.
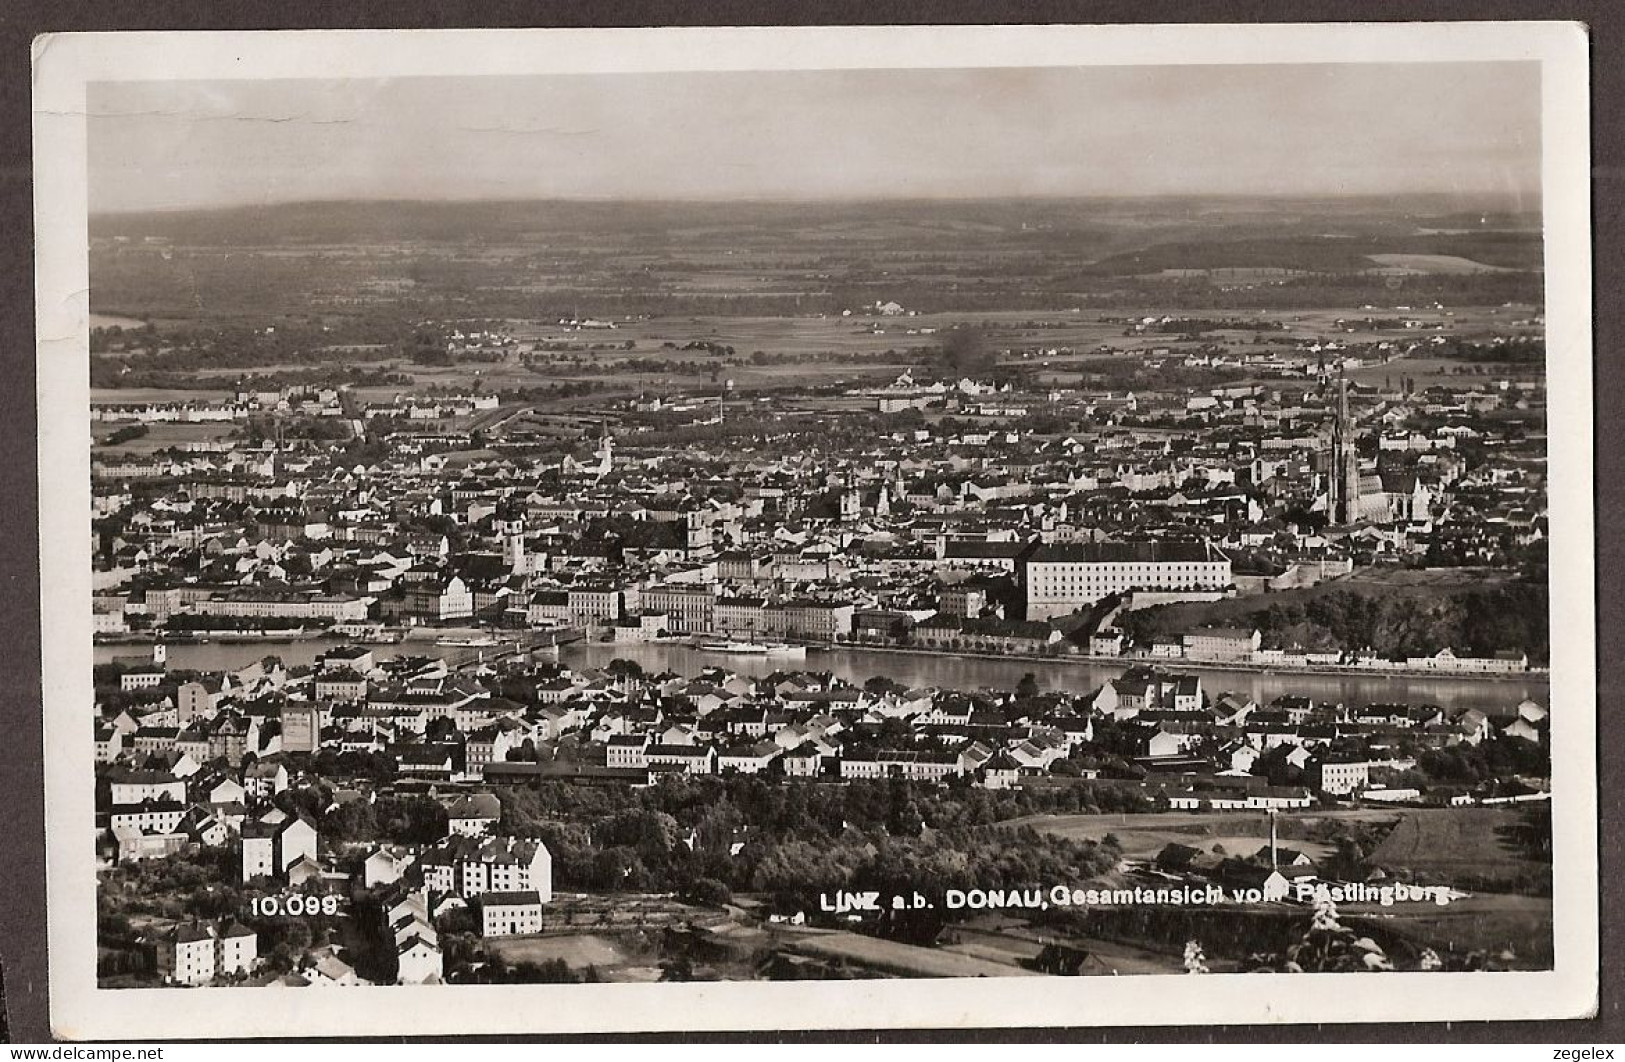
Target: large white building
{"x":1061,"y":578}
{"x":474,"y":866}
{"x":1341,"y":779}
{"x":688,"y":609}
{"x":270,"y":848}
{"x":1221,"y":643}
{"x":508,"y":914}
{"x":268,"y":604}
{"x":196,"y":953}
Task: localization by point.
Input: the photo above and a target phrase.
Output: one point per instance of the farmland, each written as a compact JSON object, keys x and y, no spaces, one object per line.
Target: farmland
{"x":1143,"y":835}
{"x":904,"y":960}
{"x":779,"y":277}
{"x":164,"y":436}
{"x":1433,"y":263}
{"x":1516,"y":930}
{"x":678,"y":299}
{"x":1451,"y":844}
{"x":1348,"y":249}
{"x":1473,"y":848}
{"x":1426,"y":372}
{"x":1442,"y":579}
{"x":1440,"y":845}
{"x":577,"y":950}
{"x":763,"y":353}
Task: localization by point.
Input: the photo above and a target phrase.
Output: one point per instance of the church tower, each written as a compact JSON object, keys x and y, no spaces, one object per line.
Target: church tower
{"x":511,"y":526}
{"x":1343,"y":477}
{"x":513,"y":552}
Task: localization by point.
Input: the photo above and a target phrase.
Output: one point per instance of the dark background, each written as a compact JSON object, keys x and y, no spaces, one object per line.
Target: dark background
{"x":22,"y":870}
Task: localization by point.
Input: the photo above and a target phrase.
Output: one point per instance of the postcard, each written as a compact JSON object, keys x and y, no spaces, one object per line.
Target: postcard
{"x":815,"y":528}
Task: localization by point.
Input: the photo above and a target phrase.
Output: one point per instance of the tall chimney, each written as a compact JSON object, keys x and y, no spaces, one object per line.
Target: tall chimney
{"x":1273,"y":863}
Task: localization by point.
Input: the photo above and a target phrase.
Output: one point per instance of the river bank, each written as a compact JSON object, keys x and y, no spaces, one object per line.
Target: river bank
{"x":429,"y":636}
{"x":912,"y":667}
{"x":1181,"y":663}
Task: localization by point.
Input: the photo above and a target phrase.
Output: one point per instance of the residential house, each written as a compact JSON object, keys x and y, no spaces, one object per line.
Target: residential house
{"x":507,"y":914}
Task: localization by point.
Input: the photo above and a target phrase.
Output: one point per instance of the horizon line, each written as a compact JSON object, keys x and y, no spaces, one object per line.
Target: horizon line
{"x":788,"y":200}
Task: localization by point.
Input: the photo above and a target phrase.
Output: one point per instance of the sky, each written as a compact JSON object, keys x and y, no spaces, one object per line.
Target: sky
{"x":1472,"y":129}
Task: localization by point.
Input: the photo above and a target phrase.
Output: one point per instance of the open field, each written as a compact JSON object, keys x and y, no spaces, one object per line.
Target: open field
{"x":995,"y":948}
{"x":1111,"y":957}
{"x":620,"y":378}
{"x":1434,"y":263}
{"x":1441,"y":372}
{"x":1082,"y":330}
{"x":1520,"y":926}
{"x":777,"y":277}
{"x":1442,"y":843}
{"x":901,"y":959}
{"x":1003,"y":938}
{"x":578,"y":952}
{"x":1340,"y":250}
{"x":103,"y":320}
{"x":134,"y":396}
{"x":162,"y":436}
{"x":1429,"y":577}
{"x":1143,"y":835}
{"x":811,"y":339}
{"x":820,"y":348}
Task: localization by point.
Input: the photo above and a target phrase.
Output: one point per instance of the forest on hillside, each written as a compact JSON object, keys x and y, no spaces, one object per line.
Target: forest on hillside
{"x":1396,"y":622}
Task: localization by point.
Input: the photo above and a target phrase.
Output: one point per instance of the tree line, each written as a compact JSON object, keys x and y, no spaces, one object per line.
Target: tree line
{"x":708,"y":837}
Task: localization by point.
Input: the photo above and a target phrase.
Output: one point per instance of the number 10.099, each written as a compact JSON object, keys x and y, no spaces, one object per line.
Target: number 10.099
{"x":272,"y":906}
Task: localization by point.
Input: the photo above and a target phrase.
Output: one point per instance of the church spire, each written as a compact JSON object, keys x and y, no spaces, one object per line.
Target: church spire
{"x":1343,"y":486}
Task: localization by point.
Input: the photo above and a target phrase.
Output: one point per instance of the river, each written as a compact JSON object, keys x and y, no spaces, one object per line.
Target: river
{"x":918,"y":669}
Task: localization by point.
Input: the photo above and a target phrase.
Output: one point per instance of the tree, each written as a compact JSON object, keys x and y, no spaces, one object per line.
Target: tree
{"x":708,"y":892}
{"x":457,"y":920}
{"x":355,"y":821}
{"x":1027,"y":688}
{"x":1349,"y":859}
{"x":1328,"y":946}
{"x":1195,"y":961}
{"x":880,"y":685}
{"x":905,"y":820}
{"x":620,"y":667}
{"x":410,"y":820}
{"x":678,"y":969}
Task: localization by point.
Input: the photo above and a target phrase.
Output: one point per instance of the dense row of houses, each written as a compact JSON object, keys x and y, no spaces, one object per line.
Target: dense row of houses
{"x":440,"y":725}
{"x":864,"y":542}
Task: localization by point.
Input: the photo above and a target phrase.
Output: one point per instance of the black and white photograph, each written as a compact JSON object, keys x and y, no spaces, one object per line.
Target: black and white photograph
{"x":640,"y":530}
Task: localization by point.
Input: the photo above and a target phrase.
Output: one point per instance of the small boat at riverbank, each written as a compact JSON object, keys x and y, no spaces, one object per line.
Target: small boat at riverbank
{"x":754,"y":648}
{"x":366,"y":633}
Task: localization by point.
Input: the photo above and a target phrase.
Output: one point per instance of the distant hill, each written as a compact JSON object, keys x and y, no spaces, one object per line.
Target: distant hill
{"x":412,"y":261}
{"x":1508,"y":249}
{"x":1111,"y":225}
